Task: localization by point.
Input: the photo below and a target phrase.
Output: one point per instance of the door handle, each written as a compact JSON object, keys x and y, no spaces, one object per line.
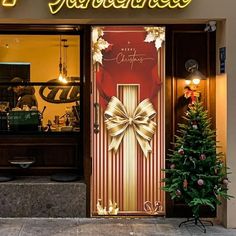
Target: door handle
{"x":96,"y":118}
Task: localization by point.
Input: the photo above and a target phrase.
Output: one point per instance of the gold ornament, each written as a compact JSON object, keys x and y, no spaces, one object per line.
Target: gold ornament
{"x":112,"y":210}
{"x":152,"y":208}
{"x":100,"y":209}
{"x":117,"y":121}
{"x":98,"y":44}
{"x":155,"y":34}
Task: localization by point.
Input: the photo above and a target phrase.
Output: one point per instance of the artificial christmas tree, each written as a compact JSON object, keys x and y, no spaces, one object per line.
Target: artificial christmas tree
{"x":196,"y":172}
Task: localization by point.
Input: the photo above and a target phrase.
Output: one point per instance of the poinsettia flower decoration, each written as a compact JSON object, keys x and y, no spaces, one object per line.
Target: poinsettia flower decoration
{"x":98,"y":44}
{"x":155,"y":34}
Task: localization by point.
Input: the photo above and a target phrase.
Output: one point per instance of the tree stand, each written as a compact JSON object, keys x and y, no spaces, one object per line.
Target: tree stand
{"x":199,"y":223}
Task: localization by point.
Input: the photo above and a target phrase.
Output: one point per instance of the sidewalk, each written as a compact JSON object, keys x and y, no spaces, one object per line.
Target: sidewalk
{"x":101,"y":226}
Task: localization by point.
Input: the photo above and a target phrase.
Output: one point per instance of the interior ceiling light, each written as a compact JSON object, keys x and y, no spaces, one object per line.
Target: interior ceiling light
{"x":63,"y":62}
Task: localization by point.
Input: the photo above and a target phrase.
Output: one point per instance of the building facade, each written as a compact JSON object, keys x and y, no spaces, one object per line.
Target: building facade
{"x":196,"y":12}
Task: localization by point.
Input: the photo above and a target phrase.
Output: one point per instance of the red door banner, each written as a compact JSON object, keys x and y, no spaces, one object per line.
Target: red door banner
{"x":127,"y":120}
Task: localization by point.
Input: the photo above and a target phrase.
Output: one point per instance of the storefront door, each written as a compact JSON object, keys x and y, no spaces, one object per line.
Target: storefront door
{"x":127,"y":120}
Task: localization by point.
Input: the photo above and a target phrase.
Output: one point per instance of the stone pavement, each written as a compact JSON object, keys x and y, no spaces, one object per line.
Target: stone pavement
{"x":103,"y":226}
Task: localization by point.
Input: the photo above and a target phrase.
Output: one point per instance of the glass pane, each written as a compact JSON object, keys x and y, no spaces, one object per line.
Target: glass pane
{"x":32,"y":98}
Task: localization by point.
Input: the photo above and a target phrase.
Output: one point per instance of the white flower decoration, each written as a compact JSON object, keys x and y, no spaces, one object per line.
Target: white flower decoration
{"x":155,"y":34}
{"x":98,"y":44}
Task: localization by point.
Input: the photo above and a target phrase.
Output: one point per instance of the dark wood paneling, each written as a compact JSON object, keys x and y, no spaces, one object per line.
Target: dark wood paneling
{"x":85,"y":118}
{"x":185,"y":42}
{"x":188,"y":45}
{"x":52,"y":154}
{"x":46,"y":29}
{"x":44,"y":156}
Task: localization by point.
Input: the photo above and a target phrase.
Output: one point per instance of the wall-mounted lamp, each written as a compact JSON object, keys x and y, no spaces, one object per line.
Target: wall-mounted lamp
{"x":193,"y":80}
{"x":195,"y":75}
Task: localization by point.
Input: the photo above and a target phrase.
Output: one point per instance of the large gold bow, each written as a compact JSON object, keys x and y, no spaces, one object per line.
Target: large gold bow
{"x":117,"y":120}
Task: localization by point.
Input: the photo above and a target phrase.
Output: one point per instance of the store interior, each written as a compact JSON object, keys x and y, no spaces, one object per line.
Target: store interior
{"x":41,"y":59}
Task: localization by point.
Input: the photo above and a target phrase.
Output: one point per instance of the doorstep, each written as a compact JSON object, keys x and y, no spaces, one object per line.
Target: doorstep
{"x":36,"y":196}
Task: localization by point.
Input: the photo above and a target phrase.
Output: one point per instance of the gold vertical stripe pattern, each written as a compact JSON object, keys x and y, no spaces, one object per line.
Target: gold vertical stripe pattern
{"x":162,"y":70}
{"x":130,"y":151}
{"x":108,"y":173}
{"x":159,"y":133}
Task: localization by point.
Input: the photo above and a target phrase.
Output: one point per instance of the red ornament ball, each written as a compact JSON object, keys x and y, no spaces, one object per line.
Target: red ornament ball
{"x":200,"y":182}
{"x":225,"y":181}
{"x":194,"y":124}
{"x":178,"y":192}
{"x":172,"y":166}
{"x":202,"y":157}
{"x":181,"y":151}
{"x":185,"y":183}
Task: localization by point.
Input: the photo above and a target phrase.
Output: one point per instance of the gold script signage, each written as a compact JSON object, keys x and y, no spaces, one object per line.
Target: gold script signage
{"x":9,"y":3}
{"x":56,"y":5}
{"x":129,"y":56}
{"x":59,"y":94}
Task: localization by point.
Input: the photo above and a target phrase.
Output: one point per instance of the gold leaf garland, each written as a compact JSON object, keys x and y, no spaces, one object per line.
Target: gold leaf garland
{"x":155,"y":34}
{"x":98,"y":44}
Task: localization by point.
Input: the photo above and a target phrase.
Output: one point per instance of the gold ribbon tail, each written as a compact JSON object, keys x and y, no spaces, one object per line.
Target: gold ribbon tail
{"x":115,"y":142}
{"x":145,"y":146}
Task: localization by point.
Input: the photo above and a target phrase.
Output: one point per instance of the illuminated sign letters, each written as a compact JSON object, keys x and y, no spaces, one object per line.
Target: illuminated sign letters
{"x":56,"y":5}
{"x":9,"y":3}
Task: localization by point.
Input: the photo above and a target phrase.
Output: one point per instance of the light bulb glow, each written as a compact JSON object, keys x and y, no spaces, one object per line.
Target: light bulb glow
{"x":62,"y":79}
{"x":187,"y":82}
{"x":196,"y":81}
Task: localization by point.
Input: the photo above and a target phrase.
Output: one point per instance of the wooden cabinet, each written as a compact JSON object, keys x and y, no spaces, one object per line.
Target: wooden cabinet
{"x":51,"y":153}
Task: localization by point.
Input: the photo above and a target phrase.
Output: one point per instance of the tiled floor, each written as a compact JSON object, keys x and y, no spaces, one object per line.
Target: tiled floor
{"x":99,"y":227}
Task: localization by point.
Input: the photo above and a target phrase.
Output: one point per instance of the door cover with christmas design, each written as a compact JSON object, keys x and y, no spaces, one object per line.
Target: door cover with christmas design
{"x":127,"y":120}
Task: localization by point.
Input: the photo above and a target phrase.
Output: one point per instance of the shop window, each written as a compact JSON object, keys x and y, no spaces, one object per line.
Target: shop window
{"x":41,"y":134}
{"x":32,"y":65}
